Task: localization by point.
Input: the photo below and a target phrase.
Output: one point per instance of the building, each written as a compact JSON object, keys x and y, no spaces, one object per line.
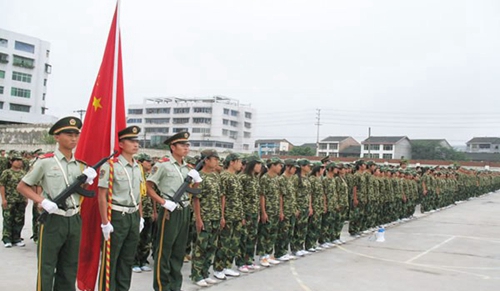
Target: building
{"x":483,"y":145}
{"x":386,"y":147}
{"x":350,"y":152}
{"x":273,"y":146}
{"x":440,"y":142}
{"x":333,"y":145}
{"x":24,"y":71}
{"x":218,"y":122}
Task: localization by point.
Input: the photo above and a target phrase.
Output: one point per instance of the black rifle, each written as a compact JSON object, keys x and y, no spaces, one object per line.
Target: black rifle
{"x":76,"y":186}
{"x":185,"y":185}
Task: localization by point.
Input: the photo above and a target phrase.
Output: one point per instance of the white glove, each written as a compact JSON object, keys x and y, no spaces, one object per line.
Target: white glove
{"x":195,"y":175}
{"x":107,"y":229}
{"x":49,"y":206}
{"x":91,"y":174}
{"x":141,"y":225}
{"x":170,"y":205}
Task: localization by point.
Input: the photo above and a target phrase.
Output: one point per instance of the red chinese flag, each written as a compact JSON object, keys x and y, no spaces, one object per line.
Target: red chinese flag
{"x":94,"y":144}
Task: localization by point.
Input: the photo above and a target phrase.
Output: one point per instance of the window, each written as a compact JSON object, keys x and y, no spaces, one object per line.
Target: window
{"x":202,"y":109}
{"x":17,"y":76}
{"x":207,"y":143}
{"x":43,"y":110}
{"x":226,"y":145}
{"x":387,"y":156}
{"x":20,"y":92}
{"x":1,"y":89}
{"x":25,"y":47}
{"x":135,"y":111}
{"x":388,"y":147}
{"x":234,"y":123}
{"x":225,"y":121}
{"x":233,"y":134}
{"x":246,"y":147}
{"x":179,"y":129}
{"x":4,"y":58}
{"x":45,"y":82}
{"x":134,"y":120}
{"x":246,"y":134}
{"x":156,"y":129}
{"x":3,"y":42}
{"x":322,"y":154}
{"x":1,"y":105}
{"x":201,"y":130}
{"x":181,"y":110}
{"x":43,"y":96}
{"x":226,"y":111}
{"x":2,"y":74}
{"x":157,"y":120}
{"x":248,"y":115}
{"x":48,"y":68}
{"x":19,"y":107}
{"x":484,"y":146}
{"x":248,"y":125}
{"x":225,"y":132}
{"x":47,"y":53}
{"x":474,"y":146}
{"x":24,"y":62}
{"x":202,"y":120}
{"x":157,"y":110}
{"x":334,"y":146}
{"x":180,"y":120}
{"x":373,"y":147}
{"x":234,"y":113}
{"x":322,"y":146}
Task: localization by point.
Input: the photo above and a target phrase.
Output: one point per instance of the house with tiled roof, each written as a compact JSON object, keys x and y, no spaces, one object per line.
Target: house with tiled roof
{"x":386,"y":147}
{"x":483,"y":145}
{"x":273,"y":146}
{"x":334,"y":145}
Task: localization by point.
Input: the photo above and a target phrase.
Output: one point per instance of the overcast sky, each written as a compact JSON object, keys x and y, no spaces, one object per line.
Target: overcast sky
{"x":424,"y":69}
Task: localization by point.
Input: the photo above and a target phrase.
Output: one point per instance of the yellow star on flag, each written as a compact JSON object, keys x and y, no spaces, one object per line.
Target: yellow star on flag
{"x":96,"y":103}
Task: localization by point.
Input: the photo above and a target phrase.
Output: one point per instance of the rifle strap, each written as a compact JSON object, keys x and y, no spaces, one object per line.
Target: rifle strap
{"x":65,"y":180}
{"x":130,"y":192}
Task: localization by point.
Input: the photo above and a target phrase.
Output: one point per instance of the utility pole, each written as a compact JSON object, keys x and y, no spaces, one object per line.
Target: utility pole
{"x":81,"y":112}
{"x":318,"y":119}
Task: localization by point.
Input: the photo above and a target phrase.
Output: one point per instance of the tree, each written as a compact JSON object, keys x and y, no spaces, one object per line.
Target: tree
{"x":302,"y":151}
{"x":432,"y":150}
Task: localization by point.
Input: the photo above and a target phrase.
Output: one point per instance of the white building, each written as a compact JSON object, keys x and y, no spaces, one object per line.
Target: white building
{"x":386,"y":147}
{"x":273,"y":146}
{"x":24,"y":70}
{"x":484,"y":145}
{"x":218,"y":122}
{"x":334,"y":145}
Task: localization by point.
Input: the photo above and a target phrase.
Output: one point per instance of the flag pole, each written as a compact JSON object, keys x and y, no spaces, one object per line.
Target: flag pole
{"x":115,"y":78}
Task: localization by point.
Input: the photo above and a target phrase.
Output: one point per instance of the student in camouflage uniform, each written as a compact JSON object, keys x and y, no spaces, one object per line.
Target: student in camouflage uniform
{"x":288,"y":189}
{"x":303,"y":199}
{"x":328,"y":220}
{"x":341,"y":211}
{"x":318,"y":206}
{"x":270,"y":208}
{"x":231,"y":216}
{"x":359,"y":199}
{"x":251,"y":208}
{"x":207,"y":213}
{"x":146,"y":236}
{"x":13,"y":203}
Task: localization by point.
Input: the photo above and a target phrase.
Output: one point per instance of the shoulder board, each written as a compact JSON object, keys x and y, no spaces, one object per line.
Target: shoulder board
{"x":49,"y":155}
{"x":164,"y":159}
{"x":82,"y":162}
{"x":115,"y":159}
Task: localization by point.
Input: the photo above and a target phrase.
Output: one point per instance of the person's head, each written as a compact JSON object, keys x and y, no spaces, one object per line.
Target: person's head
{"x":360,"y":165}
{"x":211,"y":158}
{"x":191,"y":161}
{"x":146,"y":161}
{"x":305,"y":166}
{"x":66,"y":132}
{"x":274,"y":165}
{"x":317,"y":169}
{"x":179,"y":144}
{"x":253,"y":166}
{"x":128,"y":140}
{"x":331,"y":168}
{"x":290,"y":166}
{"x":232,"y":162}
{"x":16,"y":162}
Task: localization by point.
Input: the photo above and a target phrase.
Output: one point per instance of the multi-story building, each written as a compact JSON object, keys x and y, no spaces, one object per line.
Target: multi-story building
{"x":334,"y":145}
{"x":273,"y":146}
{"x":219,"y":122}
{"x":386,"y":147}
{"x":24,"y":71}
{"x":484,"y":145}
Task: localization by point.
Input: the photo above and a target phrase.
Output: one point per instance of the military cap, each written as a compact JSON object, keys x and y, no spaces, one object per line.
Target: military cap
{"x":232,"y":157}
{"x":317,"y":164}
{"x":205,"y":154}
{"x":190,"y":160}
{"x":339,"y":166}
{"x":325,"y":159}
{"x":254,"y":159}
{"x":131,"y":132}
{"x":331,"y":165}
{"x":359,"y":162}
{"x":290,"y":162}
{"x":180,"y":137}
{"x":274,"y":160}
{"x":16,"y":157}
{"x":143,"y":157}
{"x":370,"y":163}
{"x":303,"y":162}
{"x":37,"y":151}
{"x":66,"y":124}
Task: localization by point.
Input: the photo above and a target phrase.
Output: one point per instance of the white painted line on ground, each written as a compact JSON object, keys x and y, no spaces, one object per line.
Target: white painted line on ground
{"x":296,"y":276}
{"x":430,"y":250}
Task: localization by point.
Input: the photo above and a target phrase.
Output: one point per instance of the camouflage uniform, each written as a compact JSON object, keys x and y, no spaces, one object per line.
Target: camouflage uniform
{"x":230,"y":235}
{"x":267,"y":232}
{"x":331,"y":217}
{"x":210,"y":212}
{"x":13,"y":215}
{"x":356,"y":214}
{"x":288,"y":186}
{"x":303,"y":199}
{"x":146,"y":237}
{"x":341,"y":212}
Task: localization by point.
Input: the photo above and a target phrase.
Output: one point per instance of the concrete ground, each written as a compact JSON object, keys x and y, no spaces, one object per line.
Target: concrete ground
{"x":453,"y":249}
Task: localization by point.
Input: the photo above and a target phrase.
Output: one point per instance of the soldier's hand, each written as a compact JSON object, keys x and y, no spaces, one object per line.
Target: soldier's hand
{"x":4,"y":204}
{"x":264,"y":218}
{"x":141,"y":225}
{"x":222,"y":223}
{"x":107,"y":229}
{"x":155,"y":216}
{"x":243,"y":222}
{"x":311,"y":211}
{"x":49,"y":206}
{"x":199,"y":226}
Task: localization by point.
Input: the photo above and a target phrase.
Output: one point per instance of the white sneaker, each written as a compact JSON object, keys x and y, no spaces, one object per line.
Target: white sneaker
{"x":210,"y":281}
{"x":312,"y":250}
{"x":284,"y":258}
{"x":8,"y":245}
{"x":220,"y":275}
{"x":326,"y":245}
{"x":20,"y":244}
{"x":292,"y":257}
{"x":244,"y":269}
{"x":202,"y":283}
{"x":306,"y":252}
{"x":319,"y":248}
{"x":264,"y":262}
{"x":253,"y":267}
{"x":299,"y":254}
{"x":136,"y":269}
{"x":146,"y":268}
{"x":231,"y":273}
{"x":272,"y":260}
{"x":337,"y":242}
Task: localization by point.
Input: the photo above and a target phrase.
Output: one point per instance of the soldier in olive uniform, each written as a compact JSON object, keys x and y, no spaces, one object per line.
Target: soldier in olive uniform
{"x":207,"y":213}
{"x":126,"y":216}
{"x":59,"y":240}
{"x":331,"y":196}
{"x":13,"y":203}
{"x":173,"y":218}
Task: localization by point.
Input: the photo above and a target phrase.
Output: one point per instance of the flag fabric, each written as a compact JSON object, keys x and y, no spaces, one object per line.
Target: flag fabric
{"x":95,"y":143}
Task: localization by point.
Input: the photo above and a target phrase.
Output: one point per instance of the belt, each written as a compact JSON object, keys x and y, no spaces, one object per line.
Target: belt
{"x":67,"y":213}
{"x":124,"y":209}
{"x":182,"y":204}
